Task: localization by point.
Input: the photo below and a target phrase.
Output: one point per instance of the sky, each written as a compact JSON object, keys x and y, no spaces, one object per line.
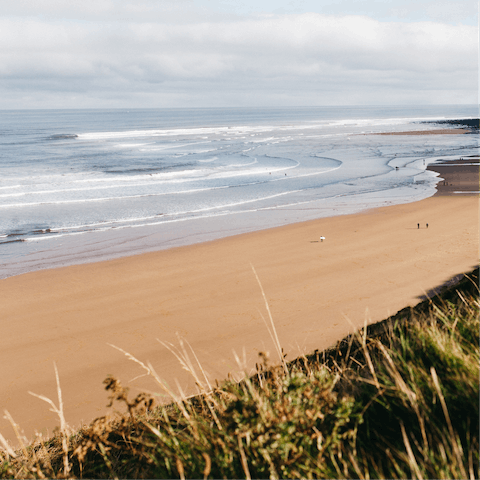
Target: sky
{"x":234,"y":53}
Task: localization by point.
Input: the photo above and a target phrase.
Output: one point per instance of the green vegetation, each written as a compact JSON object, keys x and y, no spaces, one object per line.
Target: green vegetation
{"x":399,"y":399}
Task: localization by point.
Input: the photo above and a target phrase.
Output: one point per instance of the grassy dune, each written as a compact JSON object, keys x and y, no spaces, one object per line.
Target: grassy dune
{"x":398,"y":399}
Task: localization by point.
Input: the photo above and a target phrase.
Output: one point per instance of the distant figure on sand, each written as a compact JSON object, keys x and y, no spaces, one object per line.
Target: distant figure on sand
{"x":427,"y":225}
{"x":322,"y":239}
{"x":418,"y":225}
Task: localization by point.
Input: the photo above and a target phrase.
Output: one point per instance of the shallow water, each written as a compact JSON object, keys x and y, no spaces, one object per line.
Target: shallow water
{"x":79,"y":186}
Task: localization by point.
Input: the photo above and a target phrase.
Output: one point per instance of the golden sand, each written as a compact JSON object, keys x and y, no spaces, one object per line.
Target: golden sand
{"x":369,"y":266}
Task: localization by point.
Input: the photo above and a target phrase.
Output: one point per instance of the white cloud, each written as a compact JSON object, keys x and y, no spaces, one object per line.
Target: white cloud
{"x":294,"y":59}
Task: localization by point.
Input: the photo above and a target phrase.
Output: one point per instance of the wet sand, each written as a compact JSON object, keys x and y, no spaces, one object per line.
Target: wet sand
{"x":369,"y":266}
{"x":460,"y":177}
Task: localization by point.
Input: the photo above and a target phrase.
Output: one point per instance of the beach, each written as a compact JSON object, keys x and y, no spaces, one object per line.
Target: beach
{"x":368,"y":267}
{"x":459,"y":176}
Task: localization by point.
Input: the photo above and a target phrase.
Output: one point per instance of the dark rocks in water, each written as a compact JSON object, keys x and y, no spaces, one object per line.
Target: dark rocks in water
{"x":63,"y":136}
{"x":13,"y":241}
{"x":467,"y":122}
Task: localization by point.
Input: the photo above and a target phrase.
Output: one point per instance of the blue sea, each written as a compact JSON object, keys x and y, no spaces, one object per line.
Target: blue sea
{"x":79,"y":186}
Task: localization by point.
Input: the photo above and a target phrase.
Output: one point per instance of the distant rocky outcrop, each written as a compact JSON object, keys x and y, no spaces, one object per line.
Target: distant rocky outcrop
{"x":472,"y":123}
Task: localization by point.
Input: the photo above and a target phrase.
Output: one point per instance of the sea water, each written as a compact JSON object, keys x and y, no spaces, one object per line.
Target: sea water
{"x":85,"y":185}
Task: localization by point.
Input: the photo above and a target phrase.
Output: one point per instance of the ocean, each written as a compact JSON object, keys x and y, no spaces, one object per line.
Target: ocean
{"x":79,"y":186}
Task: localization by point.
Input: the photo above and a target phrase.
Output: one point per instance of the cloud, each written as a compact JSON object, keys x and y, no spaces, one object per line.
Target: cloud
{"x":307,"y":58}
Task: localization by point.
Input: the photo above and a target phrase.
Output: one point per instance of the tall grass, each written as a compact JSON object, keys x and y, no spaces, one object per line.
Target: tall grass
{"x":398,"y":399}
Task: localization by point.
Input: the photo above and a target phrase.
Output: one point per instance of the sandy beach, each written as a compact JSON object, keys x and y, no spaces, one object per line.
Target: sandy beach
{"x":369,"y":266}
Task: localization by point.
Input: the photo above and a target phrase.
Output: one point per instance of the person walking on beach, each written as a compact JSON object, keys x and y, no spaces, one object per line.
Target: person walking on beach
{"x":418,"y":225}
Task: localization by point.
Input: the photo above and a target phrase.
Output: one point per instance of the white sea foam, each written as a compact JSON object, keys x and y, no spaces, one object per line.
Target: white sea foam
{"x":105,"y":199}
{"x":159,"y":148}
{"x":241,"y":165}
{"x":208,"y":160}
{"x":132,"y":145}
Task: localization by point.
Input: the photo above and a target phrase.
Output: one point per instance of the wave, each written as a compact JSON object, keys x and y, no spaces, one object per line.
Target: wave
{"x":133,"y":145}
{"x":195,"y":131}
{"x":208,"y":160}
{"x":103,"y":199}
{"x":252,"y":129}
{"x":238,"y":165}
{"x":54,"y":237}
{"x":62,"y":136}
{"x":170,"y":147}
{"x":144,"y":195}
{"x":199,"y":214}
{"x":154,"y":179}
{"x":149,"y":170}
{"x":153,"y":133}
{"x":166,"y":218}
{"x":97,"y":187}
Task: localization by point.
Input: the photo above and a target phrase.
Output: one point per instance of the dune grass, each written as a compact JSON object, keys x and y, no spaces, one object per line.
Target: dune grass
{"x":398,"y":399}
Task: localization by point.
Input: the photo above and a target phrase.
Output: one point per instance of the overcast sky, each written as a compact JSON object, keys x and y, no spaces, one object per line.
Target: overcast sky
{"x":202,"y":53}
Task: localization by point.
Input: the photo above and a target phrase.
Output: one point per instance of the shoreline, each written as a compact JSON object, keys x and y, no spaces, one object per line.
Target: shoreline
{"x":53,"y":245}
{"x":443,"y":131}
{"x":460,"y":177}
{"x":370,"y":265}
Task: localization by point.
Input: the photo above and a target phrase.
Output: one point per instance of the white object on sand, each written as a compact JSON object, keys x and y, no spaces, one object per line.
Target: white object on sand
{"x":322,"y":239}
